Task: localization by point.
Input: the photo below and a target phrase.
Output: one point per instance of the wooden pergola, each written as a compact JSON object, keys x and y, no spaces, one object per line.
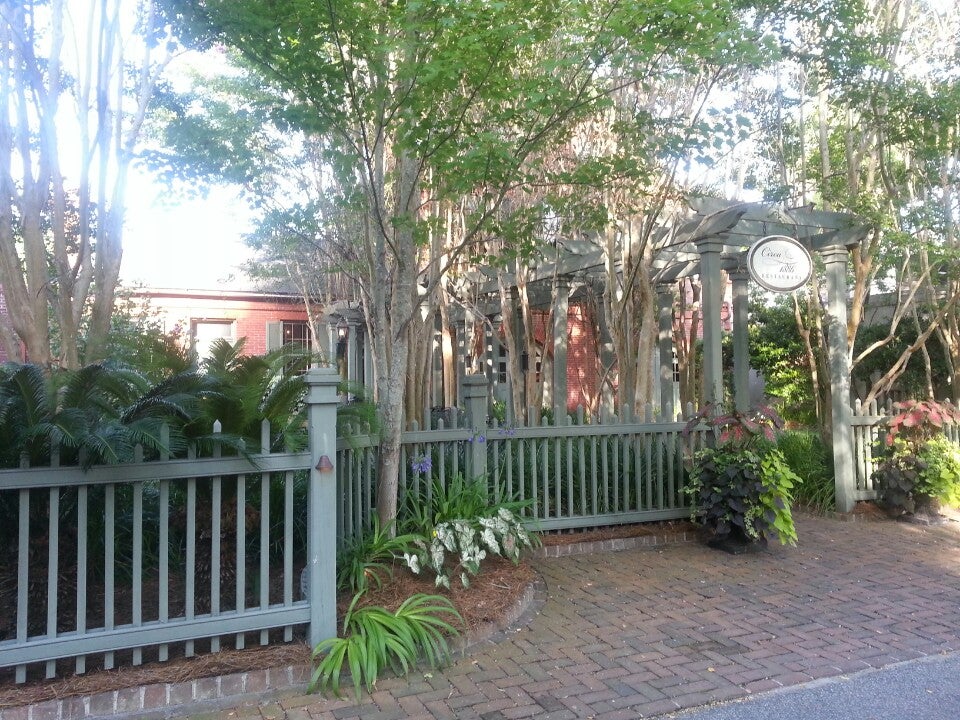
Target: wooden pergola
{"x":718,"y":237}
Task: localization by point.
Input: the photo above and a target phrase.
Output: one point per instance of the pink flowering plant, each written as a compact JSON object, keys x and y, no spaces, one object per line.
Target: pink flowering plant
{"x":919,"y":466}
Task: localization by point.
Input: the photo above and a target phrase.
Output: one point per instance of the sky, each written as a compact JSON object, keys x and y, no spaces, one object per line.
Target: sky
{"x":196,"y":244}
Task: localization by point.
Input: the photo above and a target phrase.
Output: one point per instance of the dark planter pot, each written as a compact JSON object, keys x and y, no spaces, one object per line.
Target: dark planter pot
{"x":737,"y":543}
{"x":926,"y":511}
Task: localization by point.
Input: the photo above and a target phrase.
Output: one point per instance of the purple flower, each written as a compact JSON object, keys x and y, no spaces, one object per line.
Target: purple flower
{"x":421,"y":464}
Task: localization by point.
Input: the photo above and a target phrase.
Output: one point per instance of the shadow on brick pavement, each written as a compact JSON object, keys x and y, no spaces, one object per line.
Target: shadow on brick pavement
{"x":648,"y":631}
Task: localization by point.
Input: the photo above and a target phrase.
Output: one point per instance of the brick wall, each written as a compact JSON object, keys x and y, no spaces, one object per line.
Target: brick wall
{"x":582,"y":379}
{"x":248,"y":312}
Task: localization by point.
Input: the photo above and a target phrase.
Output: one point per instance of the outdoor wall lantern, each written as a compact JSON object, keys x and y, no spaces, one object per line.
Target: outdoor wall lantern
{"x":342,"y":329}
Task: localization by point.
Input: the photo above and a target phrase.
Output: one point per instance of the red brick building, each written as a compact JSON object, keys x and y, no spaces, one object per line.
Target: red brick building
{"x":266,"y":320}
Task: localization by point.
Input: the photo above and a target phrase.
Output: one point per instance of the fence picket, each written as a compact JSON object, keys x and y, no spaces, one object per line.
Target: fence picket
{"x":80,"y":663}
{"x":241,"y":541}
{"x":264,"y":550}
{"x":288,"y":548}
{"x":23,"y":572}
{"x":109,"y":519}
{"x":163,"y":609}
{"x":137,"y":574}
{"x":53,"y":575}
{"x":191,"y":567}
{"x":635,"y":473}
{"x":568,"y":443}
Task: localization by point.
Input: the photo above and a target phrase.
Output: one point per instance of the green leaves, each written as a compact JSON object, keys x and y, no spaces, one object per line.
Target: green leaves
{"x":366,"y":559}
{"x":375,"y":639}
{"x":458,"y":518}
{"x":918,"y":467}
{"x":738,"y":486}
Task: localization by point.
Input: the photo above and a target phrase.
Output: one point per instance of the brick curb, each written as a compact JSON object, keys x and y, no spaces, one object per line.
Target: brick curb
{"x":674,"y":537}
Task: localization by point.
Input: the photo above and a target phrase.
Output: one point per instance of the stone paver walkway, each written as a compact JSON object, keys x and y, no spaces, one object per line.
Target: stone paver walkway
{"x":648,"y":631}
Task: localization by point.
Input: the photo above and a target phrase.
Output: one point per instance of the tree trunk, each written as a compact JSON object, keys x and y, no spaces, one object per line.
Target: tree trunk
{"x":395,"y":315}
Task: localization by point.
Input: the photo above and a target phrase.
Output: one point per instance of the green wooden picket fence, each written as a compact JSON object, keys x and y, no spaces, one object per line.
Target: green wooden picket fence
{"x":573,"y":474}
{"x":143,"y":561}
{"x":138,"y":562}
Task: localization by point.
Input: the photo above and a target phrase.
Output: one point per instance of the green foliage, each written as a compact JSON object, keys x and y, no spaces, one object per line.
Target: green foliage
{"x":743,"y":492}
{"x":97,"y":414}
{"x":497,"y":532}
{"x":442,"y":502}
{"x":941,"y":477}
{"x":773,"y":504}
{"x":913,"y":380}
{"x":741,"y":484}
{"x":807,"y":456}
{"x":248,"y":389}
{"x":777,"y":353}
{"x":458,"y":518}
{"x":375,"y":638}
{"x":897,"y":475}
{"x":911,"y":471}
{"x":366,"y":558}
{"x":137,"y":340}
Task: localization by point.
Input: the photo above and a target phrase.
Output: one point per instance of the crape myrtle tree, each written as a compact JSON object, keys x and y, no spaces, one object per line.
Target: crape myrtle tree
{"x":76,"y":81}
{"x":429,"y":105}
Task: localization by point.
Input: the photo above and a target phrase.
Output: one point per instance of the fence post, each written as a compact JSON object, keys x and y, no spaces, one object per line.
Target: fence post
{"x":321,"y":503}
{"x":475,"y":396}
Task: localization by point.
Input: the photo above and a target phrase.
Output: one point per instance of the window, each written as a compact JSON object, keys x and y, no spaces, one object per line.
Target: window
{"x":204,"y":333}
{"x":296,"y":332}
{"x":288,"y":332}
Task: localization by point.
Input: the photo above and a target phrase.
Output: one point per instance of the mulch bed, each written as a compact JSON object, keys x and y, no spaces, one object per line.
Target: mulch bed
{"x":492,"y":594}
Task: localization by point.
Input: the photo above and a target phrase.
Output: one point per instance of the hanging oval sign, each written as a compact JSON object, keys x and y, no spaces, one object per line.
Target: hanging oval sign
{"x":779,"y":263}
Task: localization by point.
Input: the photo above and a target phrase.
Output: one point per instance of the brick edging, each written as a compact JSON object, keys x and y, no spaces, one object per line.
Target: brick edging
{"x":161,"y":700}
{"x":616,"y":544}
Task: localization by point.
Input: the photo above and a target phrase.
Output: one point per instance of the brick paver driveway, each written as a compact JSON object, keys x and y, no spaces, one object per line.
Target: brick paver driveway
{"x":647,"y":631}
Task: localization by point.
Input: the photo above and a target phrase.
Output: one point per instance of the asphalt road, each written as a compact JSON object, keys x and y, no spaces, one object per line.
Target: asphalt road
{"x":926,"y":689}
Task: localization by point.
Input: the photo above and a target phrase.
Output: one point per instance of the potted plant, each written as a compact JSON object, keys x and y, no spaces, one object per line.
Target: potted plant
{"x":740,"y":482}
{"x":920,"y":468}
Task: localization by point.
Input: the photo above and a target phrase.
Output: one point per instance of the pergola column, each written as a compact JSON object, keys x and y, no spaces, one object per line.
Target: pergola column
{"x":368,"y":378}
{"x":741,"y":340}
{"x":712,"y":288}
{"x":561,"y":307}
{"x":333,"y":336}
{"x":353,"y":327}
{"x":665,"y":345}
{"x":835,"y":260}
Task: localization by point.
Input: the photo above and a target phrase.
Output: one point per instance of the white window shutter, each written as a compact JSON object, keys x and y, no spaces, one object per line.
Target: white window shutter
{"x":274,"y":336}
